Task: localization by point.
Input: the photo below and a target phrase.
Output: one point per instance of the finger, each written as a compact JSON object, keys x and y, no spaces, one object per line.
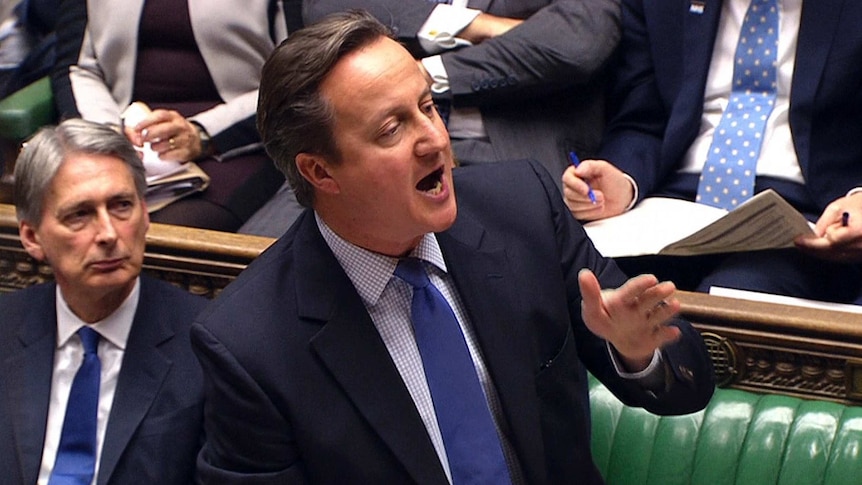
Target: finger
{"x":666,"y":335}
{"x":659,"y":294}
{"x":591,"y":292}
{"x":831,"y":216}
{"x":634,"y":289}
{"x":662,"y":312}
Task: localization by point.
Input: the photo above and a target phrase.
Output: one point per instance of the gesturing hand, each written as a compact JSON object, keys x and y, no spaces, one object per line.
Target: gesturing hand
{"x":633,"y":317}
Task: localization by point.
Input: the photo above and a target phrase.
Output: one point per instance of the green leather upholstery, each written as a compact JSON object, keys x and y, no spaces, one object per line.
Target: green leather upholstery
{"x":741,"y":438}
{"x":26,"y":110}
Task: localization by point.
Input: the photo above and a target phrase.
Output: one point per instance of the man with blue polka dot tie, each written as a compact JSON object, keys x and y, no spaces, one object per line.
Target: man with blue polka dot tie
{"x":714,"y":101}
{"x":727,"y":179}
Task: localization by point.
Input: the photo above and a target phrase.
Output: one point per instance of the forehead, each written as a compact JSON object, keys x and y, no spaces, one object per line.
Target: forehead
{"x":373,"y":77}
{"x":82,"y":176}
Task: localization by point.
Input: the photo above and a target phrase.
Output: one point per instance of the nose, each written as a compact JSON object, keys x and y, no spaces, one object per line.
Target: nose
{"x":434,"y":138}
{"x":105,"y":232}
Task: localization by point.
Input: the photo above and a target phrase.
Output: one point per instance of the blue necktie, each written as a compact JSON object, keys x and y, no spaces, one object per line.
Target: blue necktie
{"x":76,"y":455}
{"x":472,"y":444}
{"x":728,"y":175}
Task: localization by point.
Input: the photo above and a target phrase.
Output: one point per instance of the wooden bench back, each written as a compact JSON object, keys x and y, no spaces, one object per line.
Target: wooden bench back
{"x":757,"y":346}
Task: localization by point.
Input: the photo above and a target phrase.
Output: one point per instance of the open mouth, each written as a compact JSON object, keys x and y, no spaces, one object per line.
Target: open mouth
{"x":433,"y":183}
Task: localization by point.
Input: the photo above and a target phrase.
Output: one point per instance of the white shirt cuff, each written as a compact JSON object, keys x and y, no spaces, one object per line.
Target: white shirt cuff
{"x":635,"y":188}
{"x":653,"y":365}
{"x":439,"y":76}
{"x":440,"y":30}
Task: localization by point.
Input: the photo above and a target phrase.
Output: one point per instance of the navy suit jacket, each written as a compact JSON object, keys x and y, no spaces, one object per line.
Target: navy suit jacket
{"x":300,"y":387}
{"x":664,"y":61}
{"x":155,"y":427}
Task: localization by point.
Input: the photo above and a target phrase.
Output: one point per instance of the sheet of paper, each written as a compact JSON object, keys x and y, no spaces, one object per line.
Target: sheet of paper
{"x":650,"y":226}
{"x":683,"y":228}
{"x":784,"y":300}
{"x":155,"y":166}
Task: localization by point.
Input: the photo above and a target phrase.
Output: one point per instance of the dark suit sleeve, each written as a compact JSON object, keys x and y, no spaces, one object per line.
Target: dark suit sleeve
{"x":71,"y":23}
{"x":562,"y":44}
{"x":690,"y":381}
{"x":404,"y":17}
{"x":244,"y":429}
{"x":635,"y":131}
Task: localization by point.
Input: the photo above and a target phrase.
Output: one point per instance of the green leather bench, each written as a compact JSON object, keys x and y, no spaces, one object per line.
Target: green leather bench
{"x":741,"y":438}
{"x":21,"y":114}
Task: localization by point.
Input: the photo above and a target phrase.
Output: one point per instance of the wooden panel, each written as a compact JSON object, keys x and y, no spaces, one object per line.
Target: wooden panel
{"x":763,"y":347}
{"x":768,"y":347}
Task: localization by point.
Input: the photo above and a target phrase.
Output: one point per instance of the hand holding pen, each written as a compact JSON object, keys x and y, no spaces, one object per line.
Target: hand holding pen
{"x":596,"y":189}
{"x":575,"y":162}
{"x":837,"y":233}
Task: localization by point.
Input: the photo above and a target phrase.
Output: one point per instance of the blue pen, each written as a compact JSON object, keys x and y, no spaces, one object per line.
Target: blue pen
{"x":575,"y":163}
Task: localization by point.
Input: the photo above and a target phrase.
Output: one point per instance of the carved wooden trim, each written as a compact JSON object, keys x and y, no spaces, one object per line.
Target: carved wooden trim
{"x":783,"y":349}
{"x":756,"y":346}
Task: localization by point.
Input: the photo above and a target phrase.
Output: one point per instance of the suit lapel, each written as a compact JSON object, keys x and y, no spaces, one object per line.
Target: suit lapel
{"x":816,"y":34}
{"x":492,"y":300}
{"x":817,"y":29}
{"x":352,"y":350}
{"x":29,"y":384}
{"x":141,"y":376}
{"x":700,"y":27}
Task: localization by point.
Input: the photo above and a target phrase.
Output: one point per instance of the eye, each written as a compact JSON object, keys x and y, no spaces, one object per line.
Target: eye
{"x":390,"y":130}
{"x":77,"y":219}
{"x":429,"y":108}
{"x":122,"y":207}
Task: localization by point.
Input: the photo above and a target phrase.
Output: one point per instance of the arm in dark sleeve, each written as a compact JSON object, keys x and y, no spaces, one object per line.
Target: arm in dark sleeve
{"x":565,"y":43}
{"x":247,"y":440}
{"x":71,"y":23}
{"x":689,"y":377}
{"x":637,"y":113}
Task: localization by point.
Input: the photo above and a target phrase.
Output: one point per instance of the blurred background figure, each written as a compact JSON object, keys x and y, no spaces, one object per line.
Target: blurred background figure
{"x":27,"y":42}
{"x":196,"y":64}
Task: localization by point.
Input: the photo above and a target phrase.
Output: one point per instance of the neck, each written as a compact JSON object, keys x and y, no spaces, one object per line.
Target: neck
{"x":92,"y":308}
{"x":372,"y":241}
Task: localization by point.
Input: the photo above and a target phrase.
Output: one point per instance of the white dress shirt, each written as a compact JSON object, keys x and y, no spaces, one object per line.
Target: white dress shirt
{"x":439,"y":33}
{"x":68,"y":356}
{"x":777,"y":154}
{"x":387,"y":299}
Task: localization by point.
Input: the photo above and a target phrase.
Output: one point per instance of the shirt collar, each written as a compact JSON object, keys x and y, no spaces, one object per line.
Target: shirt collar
{"x":370,"y":272}
{"x":114,"y":328}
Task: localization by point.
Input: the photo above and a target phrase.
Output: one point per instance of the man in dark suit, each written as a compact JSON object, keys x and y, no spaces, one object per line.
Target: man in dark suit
{"x":523,"y":77}
{"x":79,"y":200}
{"x":671,"y":85}
{"x":312,"y":369}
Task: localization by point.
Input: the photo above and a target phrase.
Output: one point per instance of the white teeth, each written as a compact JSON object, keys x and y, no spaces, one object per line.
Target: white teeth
{"x":438,"y":187}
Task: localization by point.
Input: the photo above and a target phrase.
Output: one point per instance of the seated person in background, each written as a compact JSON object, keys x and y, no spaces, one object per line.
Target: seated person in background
{"x":197,"y":65}
{"x":337,"y":377}
{"x":27,"y":42}
{"x":97,"y":377}
{"x":679,"y":88}
{"x":523,"y":77}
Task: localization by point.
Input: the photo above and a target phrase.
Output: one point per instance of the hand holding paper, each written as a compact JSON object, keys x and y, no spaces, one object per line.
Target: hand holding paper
{"x":167,"y":180}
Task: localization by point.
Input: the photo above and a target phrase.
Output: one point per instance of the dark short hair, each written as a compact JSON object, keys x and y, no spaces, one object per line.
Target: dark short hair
{"x":292,"y":116}
{"x":45,"y":152}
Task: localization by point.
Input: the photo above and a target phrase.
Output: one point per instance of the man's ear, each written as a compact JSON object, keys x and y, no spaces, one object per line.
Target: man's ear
{"x":30,"y":240}
{"x":146,"y":214}
{"x":317,"y":171}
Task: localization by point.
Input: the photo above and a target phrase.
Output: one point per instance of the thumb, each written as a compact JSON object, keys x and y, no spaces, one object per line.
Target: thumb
{"x":591,"y":295}
{"x":588,"y":169}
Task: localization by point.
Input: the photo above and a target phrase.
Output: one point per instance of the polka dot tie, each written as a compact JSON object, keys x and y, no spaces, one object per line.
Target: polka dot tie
{"x":728,"y":175}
